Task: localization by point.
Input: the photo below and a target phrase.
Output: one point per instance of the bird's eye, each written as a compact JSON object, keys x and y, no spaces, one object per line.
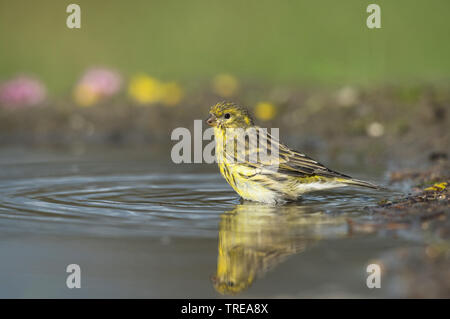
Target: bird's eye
{"x":227,"y":116}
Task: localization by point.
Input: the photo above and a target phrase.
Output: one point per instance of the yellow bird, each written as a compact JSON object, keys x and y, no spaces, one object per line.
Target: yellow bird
{"x":259,"y":167}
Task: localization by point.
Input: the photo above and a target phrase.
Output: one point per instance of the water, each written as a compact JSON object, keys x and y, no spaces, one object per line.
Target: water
{"x":139,"y":226}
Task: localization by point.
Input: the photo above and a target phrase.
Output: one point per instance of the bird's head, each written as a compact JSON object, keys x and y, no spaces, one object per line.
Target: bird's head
{"x":229,"y":115}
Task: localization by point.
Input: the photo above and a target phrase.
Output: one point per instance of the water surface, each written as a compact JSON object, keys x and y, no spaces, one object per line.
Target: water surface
{"x":140,"y":226}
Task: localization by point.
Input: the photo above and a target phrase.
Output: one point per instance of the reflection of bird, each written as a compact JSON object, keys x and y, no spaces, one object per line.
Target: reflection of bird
{"x":254,"y":238}
{"x":253,"y":173}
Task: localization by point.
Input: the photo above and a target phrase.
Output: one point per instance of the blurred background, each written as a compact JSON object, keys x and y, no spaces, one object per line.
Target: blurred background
{"x":135,"y":71}
{"x":291,"y":42}
{"x":86,"y":176}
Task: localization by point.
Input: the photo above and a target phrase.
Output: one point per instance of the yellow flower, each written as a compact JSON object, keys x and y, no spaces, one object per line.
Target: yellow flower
{"x":265,"y":111}
{"x":145,"y":89}
{"x":172,"y":93}
{"x":225,"y":85}
{"x":437,"y":187}
{"x":84,"y":95}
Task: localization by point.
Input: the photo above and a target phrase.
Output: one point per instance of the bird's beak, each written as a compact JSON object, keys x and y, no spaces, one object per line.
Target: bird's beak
{"x":211,"y":120}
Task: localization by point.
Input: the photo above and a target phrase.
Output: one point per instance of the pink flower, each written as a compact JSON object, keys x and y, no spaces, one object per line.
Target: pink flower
{"x":103,"y":81}
{"x":96,"y":84}
{"x":22,"y":91}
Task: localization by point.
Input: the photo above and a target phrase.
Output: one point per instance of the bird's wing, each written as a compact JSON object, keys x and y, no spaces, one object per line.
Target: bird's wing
{"x":266,"y":155}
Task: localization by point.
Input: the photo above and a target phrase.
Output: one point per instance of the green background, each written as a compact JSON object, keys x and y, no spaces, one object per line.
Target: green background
{"x":307,"y":42}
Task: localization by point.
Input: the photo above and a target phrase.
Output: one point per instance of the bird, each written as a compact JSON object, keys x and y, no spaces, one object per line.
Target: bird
{"x":242,"y":150}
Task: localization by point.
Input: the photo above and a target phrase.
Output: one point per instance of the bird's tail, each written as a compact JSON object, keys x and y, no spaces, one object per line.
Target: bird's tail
{"x":357,"y":182}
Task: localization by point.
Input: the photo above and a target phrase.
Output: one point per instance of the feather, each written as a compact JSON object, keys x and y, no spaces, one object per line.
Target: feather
{"x":257,"y":153}
{"x":260,"y":168}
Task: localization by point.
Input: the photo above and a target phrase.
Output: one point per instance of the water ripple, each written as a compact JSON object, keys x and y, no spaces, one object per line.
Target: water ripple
{"x":146,"y":201}
{"x":140,"y":203}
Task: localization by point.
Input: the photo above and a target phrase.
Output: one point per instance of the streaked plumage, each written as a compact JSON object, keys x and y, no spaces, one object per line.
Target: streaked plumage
{"x":264,"y":178}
